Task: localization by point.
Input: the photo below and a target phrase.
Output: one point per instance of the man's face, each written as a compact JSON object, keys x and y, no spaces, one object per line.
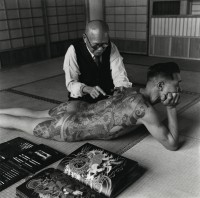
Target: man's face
{"x":97,"y":42}
{"x":173,"y":86}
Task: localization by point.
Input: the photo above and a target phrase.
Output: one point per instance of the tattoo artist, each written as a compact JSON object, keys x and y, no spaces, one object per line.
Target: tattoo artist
{"x":93,"y":66}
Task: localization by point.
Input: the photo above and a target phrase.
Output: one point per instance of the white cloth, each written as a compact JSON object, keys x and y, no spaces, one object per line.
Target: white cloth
{"x":72,"y":72}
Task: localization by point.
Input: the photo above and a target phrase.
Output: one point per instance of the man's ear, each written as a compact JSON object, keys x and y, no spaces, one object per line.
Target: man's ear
{"x":160,"y":85}
{"x":84,"y":38}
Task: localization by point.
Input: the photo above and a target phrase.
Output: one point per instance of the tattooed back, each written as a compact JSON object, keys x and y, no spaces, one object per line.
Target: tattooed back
{"x":106,"y":119}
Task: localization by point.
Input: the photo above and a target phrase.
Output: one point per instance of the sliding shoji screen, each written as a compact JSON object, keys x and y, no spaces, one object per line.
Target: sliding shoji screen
{"x":65,"y":22}
{"x":66,"y":19}
{"x":127,"y":20}
{"x":31,"y":30}
{"x":195,"y":7}
{"x":21,"y":24}
{"x":177,"y":37}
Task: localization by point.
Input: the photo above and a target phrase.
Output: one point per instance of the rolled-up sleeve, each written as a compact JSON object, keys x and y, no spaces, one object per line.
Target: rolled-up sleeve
{"x":119,"y":73}
{"x":72,"y":73}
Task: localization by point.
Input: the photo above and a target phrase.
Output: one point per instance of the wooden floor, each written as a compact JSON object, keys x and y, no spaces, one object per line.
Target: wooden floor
{"x":168,"y":174}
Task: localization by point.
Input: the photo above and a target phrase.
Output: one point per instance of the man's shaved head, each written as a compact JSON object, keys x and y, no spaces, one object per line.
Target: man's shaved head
{"x":96,"y":36}
{"x":97,"y":26}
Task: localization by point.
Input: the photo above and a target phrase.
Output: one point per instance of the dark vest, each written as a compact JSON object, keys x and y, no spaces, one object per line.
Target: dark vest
{"x":91,"y":74}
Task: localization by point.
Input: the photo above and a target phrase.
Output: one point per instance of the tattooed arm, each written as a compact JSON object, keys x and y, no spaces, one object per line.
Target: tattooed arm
{"x":166,"y":135}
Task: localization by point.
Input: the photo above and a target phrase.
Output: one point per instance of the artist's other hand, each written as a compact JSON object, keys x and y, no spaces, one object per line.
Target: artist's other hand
{"x":170,"y":99}
{"x":94,"y":92}
{"x":118,"y":90}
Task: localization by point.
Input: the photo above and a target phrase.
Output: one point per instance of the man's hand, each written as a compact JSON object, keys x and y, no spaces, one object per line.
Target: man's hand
{"x":170,"y":99}
{"x":93,"y":91}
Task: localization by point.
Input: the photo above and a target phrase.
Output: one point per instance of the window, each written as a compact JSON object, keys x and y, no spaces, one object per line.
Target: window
{"x":166,"y":7}
{"x":194,"y":7}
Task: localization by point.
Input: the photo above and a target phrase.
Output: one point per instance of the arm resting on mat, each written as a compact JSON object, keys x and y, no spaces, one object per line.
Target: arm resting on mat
{"x":167,"y":136}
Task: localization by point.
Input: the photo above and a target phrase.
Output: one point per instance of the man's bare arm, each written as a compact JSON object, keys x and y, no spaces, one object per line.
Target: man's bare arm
{"x":167,"y":136}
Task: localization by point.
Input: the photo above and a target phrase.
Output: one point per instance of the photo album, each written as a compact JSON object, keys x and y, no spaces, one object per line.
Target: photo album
{"x":88,"y":172}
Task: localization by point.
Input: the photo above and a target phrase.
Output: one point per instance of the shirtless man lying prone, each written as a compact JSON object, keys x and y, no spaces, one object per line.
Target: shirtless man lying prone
{"x":108,"y":118}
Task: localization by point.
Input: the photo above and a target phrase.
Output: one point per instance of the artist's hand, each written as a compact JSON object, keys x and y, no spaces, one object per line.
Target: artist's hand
{"x":94,"y":92}
{"x":170,"y":99}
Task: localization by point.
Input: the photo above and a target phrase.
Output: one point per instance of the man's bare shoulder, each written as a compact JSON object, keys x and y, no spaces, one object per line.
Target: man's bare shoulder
{"x":132,"y":99}
{"x":140,"y":105}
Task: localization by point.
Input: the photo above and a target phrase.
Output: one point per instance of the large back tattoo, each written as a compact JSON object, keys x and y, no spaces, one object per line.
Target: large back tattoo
{"x":105,"y":119}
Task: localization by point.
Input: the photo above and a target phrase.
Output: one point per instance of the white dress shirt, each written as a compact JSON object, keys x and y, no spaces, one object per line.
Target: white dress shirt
{"x":72,"y":71}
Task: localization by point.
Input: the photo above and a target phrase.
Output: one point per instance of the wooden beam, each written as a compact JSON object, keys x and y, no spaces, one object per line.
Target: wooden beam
{"x":46,"y":29}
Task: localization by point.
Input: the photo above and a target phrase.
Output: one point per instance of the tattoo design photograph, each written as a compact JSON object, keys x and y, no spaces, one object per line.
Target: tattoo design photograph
{"x":95,"y":168}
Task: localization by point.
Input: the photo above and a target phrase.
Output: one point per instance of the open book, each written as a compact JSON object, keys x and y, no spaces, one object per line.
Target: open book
{"x":89,"y":171}
{"x":20,"y":158}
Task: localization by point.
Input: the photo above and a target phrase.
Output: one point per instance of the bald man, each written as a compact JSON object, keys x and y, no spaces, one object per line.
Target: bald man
{"x":93,"y":66}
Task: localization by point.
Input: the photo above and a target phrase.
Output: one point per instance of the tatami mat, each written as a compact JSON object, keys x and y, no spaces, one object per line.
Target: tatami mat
{"x":137,"y":74}
{"x":169,"y":174}
{"x":49,"y":68}
{"x":119,"y":146}
{"x":36,"y":95}
{"x":31,"y":72}
{"x":189,"y":122}
{"x":143,"y":60}
{"x":52,"y":88}
{"x":187,"y":100}
{"x":12,"y":100}
{"x":8,"y":100}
